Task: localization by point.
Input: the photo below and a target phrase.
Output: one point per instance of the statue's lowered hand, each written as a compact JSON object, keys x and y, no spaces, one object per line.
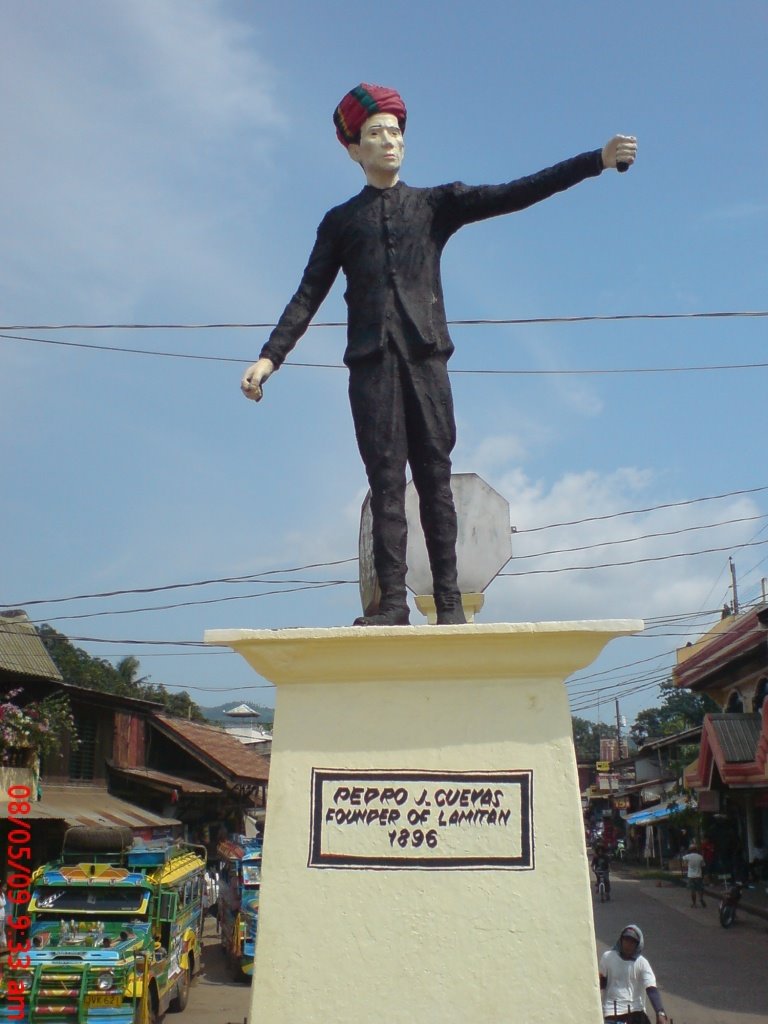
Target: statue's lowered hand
{"x":253,"y":391}
{"x":252,"y":383}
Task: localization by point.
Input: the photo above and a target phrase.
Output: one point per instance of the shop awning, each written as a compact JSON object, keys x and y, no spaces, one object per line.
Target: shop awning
{"x":166,"y":783}
{"x":91,"y":805}
{"x":653,"y":815}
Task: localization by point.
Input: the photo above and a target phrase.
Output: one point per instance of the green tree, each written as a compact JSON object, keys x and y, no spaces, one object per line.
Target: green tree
{"x":647,"y":724}
{"x":181,"y":705}
{"x":81,"y":669}
{"x":128,"y":670}
{"x":587,"y":736}
{"x":77,"y":666}
{"x":679,"y":709}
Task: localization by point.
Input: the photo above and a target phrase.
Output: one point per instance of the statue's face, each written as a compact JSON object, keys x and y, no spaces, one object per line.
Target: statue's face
{"x":381,"y":147}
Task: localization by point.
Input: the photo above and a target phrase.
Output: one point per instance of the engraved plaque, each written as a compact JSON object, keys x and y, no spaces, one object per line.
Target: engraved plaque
{"x":421,"y":819}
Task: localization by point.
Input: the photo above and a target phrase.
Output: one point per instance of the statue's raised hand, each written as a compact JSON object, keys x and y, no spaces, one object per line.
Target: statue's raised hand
{"x":620,"y":152}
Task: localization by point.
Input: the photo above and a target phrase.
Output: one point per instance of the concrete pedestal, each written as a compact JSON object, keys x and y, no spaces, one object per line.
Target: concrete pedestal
{"x":424,"y":855}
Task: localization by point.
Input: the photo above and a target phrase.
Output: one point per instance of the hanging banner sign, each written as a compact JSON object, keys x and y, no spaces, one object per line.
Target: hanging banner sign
{"x":421,"y":819}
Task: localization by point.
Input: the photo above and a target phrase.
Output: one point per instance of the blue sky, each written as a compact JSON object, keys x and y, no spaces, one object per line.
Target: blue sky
{"x":168,"y":163}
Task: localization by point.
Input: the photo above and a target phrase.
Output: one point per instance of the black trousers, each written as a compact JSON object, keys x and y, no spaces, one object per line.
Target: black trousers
{"x":403,"y":414}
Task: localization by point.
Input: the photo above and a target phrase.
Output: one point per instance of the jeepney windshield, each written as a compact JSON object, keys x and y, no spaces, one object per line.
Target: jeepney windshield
{"x":55,"y":900}
{"x":252,"y":874}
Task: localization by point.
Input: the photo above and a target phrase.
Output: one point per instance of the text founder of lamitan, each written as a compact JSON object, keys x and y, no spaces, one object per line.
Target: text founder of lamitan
{"x":388,"y":240}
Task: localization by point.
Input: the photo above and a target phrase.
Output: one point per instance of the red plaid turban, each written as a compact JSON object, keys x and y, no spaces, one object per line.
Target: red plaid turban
{"x":363,"y":102}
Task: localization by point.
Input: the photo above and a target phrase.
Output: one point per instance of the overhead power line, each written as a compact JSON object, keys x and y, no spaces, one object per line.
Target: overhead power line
{"x":319,"y":585}
{"x":247,"y":578}
{"x":593,"y":371}
{"x":639,"y":511}
{"x":589,"y":705}
{"x":303,"y":585}
{"x":589,"y":318}
{"x":644,"y":536}
{"x":254,"y":578}
{"x":636,"y":561}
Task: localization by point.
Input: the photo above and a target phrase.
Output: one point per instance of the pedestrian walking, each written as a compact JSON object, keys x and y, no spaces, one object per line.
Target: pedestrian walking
{"x":694,"y":863}
{"x":626,"y":978}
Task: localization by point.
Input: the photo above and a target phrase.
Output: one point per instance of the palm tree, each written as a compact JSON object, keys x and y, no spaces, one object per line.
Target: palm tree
{"x":128,"y":671}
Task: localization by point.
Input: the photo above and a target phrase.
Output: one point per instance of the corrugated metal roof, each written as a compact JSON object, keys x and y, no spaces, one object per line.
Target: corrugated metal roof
{"x":225,"y":754}
{"x":684,"y":736}
{"x":738,"y":735}
{"x":91,"y":805}
{"x":21,"y":649}
{"x":243,"y":710}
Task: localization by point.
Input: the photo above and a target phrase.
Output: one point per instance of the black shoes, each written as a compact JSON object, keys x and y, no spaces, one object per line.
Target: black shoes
{"x":452,"y":617}
{"x":449,"y":609}
{"x":385,"y":617}
{"x":449,"y":613}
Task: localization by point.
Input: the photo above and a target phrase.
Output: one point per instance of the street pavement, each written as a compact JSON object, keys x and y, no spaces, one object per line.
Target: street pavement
{"x":707,"y":974}
{"x":215,"y":998}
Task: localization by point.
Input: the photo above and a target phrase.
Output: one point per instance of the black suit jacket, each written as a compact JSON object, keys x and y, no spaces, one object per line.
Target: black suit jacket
{"x":388,"y":242}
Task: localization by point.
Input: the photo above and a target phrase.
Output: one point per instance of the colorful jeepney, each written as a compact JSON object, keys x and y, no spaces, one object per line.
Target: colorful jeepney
{"x":114,"y":934}
{"x":239,"y":902}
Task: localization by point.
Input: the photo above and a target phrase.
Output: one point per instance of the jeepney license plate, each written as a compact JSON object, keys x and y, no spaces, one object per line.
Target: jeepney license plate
{"x":103,"y":999}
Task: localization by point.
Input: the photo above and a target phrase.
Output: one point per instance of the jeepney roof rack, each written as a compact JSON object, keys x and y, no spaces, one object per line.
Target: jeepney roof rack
{"x":153,"y":853}
{"x":97,"y":844}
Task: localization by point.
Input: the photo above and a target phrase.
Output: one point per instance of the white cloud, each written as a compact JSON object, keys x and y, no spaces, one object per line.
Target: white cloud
{"x":738,"y":211}
{"x":649,"y":585}
{"x":498,"y":450}
{"x":111,"y":184}
{"x":204,"y":65}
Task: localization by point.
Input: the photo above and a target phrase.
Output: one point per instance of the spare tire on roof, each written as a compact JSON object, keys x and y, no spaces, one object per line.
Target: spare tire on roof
{"x":98,"y":839}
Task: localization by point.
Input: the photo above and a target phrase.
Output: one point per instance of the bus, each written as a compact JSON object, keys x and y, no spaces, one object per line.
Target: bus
{"x":114,"y":932}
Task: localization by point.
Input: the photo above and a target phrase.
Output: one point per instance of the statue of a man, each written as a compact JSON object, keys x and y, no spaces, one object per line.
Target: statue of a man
{"x":388,"y":240}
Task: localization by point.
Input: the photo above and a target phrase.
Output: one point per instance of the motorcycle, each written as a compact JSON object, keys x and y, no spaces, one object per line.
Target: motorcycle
{"x":729,"y":902}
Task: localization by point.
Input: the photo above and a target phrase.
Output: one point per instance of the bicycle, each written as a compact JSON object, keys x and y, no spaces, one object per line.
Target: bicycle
{"x":600,"y":886}
{"x":729,"y":901}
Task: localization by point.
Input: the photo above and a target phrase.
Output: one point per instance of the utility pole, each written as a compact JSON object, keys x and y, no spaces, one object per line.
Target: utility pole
{"x":618,"y":729}
{"x":733,"y":584}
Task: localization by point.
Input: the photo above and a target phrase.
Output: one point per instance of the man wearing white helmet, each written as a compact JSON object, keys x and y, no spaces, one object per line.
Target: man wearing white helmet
{"x":626,"y":978}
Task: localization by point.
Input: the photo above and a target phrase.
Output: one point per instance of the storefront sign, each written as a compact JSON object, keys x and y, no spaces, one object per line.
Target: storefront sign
{"x":608,"y":783}
{"x":709,"y":800}
{"x":421,"y":819}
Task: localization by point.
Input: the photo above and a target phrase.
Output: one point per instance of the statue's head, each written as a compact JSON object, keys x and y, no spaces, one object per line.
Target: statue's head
{"x":360,"y":104}
{"x":370,"y":122}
